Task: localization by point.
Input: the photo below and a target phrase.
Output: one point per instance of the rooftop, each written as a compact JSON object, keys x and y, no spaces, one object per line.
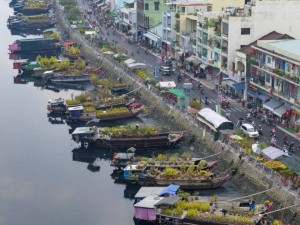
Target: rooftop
{"x":270,"y":36}
{"x":287,"y":48}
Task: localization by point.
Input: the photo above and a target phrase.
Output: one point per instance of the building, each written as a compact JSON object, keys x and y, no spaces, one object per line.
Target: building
{"x":149,"y":13}
{"x":275,"y":72}
{"x":126,"y":20}
{"x":243,"y":26}
{"x":243,"y":58}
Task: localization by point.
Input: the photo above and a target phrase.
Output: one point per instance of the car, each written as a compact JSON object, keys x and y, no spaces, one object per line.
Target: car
{"x":249,"y":130}
{"x":165,"y":71}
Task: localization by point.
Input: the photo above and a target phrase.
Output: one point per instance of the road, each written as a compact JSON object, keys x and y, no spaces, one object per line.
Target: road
{"x":236,"y":110}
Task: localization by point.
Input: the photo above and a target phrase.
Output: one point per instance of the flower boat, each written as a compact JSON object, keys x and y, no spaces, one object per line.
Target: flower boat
{"x":196,"y":183}
{"x":55,"y":77}
{"x":81,"y":113}
{"x":21,"y":22}
{"x":124,"y":137}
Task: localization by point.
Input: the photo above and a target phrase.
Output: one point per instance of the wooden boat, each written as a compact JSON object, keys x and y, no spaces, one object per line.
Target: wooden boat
{"x":21,"y":22}
{"x":54,"y":77}
{"x":98,"y":137}
{"x":195,"y":183}
{"x":34,"y":45}
{"x":78,"y":113}
{"x":56,"y":106}
{"x":135,"y":168}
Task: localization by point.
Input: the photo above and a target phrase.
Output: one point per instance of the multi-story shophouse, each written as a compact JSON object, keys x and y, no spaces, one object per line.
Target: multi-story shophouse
{"x":243,"y":59}
{"x":126,"y":20}
{"x":275,"y":72}
{"x":240,"y":27}
{"x":186,"y":26}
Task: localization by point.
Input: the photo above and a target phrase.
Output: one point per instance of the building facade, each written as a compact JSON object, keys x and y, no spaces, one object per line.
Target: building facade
{"x":275,"y":72}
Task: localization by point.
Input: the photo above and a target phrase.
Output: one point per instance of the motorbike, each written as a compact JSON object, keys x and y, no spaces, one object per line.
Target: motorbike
{"x":260,"y":131}
{"x":206,"y":102}
{"x":201,"y":90}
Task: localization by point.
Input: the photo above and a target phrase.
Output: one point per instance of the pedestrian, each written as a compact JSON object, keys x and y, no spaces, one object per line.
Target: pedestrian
{"x":224,"y":212}
{"x":223,"y":145}
{"x":212,"y":207}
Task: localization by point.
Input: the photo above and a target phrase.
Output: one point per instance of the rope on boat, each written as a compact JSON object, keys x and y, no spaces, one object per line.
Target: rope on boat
{"x":247,"y":196}
{"x":278,"y":210}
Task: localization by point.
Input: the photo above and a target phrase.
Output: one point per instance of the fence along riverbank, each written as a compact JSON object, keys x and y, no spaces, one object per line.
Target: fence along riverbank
{"x":250,"y":177}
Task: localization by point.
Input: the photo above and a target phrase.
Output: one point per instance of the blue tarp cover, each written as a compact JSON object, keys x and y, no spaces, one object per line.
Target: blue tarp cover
{"x":171,"y":190}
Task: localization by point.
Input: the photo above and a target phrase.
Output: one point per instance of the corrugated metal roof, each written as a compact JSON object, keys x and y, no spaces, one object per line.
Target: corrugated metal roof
{"x":169,"y":200}
{"x":148,"y":202}
{"x":148,"y":191}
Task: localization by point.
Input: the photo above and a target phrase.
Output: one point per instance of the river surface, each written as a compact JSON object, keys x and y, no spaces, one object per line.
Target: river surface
{"x":40,"y":183}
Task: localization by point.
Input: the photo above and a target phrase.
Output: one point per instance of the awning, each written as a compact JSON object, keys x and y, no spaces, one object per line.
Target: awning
{"x":151,"y":36}
{"x":272,"y":105}
{"x":263,"y":98}
{"x":203,"y":66}
{"x":178,"y":92}
{"x":239,"y":86}
{"x":230,"y":83}
{"x":281,"y":110}
{"x":194,"y":60}
{"x":100,"y":4}
{"x":252,"y":93}
{"x":129,"y":1}
{"x":132,"y":31}
{"x":123,"y":23}
{"x":117,"y":20}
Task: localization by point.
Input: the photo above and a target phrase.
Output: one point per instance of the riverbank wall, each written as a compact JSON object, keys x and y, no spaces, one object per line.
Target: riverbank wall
{"x":249,"y":179}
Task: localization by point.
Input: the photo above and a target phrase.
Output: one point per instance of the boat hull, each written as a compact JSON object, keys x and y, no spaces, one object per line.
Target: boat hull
{"x":70,"y":79}
{"x":123,"y":143}
{"x":138,"y":143}
{"x":187,"y":183}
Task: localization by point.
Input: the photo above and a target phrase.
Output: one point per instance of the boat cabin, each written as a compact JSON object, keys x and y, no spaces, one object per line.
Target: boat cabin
{"x":131,"y":172}
{"x":83,"y":133}
{"x":48,"y":74}
{"x":122,"y":159}
{"x":78,"y":113}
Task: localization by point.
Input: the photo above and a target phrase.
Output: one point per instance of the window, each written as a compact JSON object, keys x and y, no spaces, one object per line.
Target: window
{"x":156,"y":6}
{"x":269,"y":59}
{"x":245,"y":31}
{"x":146,"y":6}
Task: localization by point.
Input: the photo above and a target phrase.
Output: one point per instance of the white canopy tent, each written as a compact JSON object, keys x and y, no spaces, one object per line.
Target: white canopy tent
{"x":273,"y":153}
{"x":215,"y":119}
{"x":129,"y":61}
{"x":134,"y":66}
{"x":166,"y":84}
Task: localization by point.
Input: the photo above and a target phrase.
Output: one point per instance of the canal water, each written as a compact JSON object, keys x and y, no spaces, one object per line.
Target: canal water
{"x":43,"y":180}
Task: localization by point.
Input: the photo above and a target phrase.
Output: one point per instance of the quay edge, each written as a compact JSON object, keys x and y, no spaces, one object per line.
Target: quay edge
{"x":247,"y":179}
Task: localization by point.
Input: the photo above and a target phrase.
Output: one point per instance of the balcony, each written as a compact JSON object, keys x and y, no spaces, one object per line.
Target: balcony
{"x":280,"y":74}
{"x":275,"y":91}
{"x":225,"y":36}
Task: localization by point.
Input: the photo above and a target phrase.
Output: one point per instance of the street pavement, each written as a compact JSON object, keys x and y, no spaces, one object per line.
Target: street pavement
{"x":235,"y":109}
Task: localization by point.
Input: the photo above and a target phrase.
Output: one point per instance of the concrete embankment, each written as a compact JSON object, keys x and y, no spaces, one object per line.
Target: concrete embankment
{"x":248,"y":178}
